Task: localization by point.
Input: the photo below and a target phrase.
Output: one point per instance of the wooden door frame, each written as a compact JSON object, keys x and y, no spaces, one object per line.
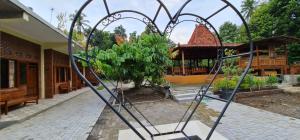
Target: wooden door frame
{"x":37,"y":74}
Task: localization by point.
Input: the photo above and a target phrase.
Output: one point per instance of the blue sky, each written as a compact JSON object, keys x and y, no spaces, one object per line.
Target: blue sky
{"x":95,"y":11}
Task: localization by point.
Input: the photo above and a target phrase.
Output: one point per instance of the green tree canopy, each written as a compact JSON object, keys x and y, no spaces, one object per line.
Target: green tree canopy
{"x":133,"y":36}
{"x":146,"y":58}
{"x":81,"y":23}
{"x":121,"y":31}
{"x":248,"y":7}
{"x":294,"y":53}
{"x":276,"y":17}
{"x":262,"y":22}
{"x":229,"y":32}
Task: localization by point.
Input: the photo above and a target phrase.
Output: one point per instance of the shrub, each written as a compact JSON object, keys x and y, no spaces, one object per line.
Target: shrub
{"x":248,"y":82}
{"x":259,"y":82}
{"x":145,"y":58}
{"x":271,"y":80}
{"x":224,"y":84}
{"x":298,"y":79}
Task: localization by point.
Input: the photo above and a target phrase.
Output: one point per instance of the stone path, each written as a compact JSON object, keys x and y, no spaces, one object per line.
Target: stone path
{"x":32,"y":109}
{"x":73,"y":119}
{"x":247,"y":123}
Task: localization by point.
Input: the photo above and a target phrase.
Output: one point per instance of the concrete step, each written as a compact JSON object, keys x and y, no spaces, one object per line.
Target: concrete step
{"x":191,"y":94}
{"x":186,"y":97}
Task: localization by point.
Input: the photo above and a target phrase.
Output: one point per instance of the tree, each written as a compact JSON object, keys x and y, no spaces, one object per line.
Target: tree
{"x":81,"y":22}
{"x":228,"y":32}
{"x":148,"y":29}
{"x":78,"y":37}
{"x":102,"y":40}
{"x":248,"y":7}
{"x":287,"y":15}
{"x":146,"y":58}
{"x":120,"y":31}
{"x":262,"y":22}
{"x":294,"y":53}
{"x":275,"y":18}
{"x":62,"y":20}
{"x":133,"y":36}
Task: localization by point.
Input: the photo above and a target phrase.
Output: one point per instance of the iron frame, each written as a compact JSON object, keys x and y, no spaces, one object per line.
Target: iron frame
{"x":150,"y":22}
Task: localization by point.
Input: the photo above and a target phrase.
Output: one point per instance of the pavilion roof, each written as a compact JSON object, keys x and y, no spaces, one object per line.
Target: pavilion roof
{"x":203,"y":37}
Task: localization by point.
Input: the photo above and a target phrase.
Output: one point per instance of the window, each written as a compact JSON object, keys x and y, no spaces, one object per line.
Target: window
{"x":62,"y":74}
{"x":23,"y":72}
{"x":4,"y":73}
{"x":8,"y":73}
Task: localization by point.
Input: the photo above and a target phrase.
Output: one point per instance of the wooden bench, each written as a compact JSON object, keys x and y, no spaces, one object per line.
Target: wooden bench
{"x":15,"y":96}
{"x":63,"y":88}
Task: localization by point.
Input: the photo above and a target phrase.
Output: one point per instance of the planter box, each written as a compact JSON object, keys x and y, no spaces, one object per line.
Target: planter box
{"x":225,"y":94}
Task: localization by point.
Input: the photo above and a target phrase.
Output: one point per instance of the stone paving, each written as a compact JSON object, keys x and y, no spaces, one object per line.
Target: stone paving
{"x":73,"y":119}
{"x":31,"y":109}
{"x":240,"y":122}
{"x":247,"y":123}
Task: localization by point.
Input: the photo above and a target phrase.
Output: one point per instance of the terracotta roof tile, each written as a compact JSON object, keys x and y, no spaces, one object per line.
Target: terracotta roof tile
{"x":203,"y":37}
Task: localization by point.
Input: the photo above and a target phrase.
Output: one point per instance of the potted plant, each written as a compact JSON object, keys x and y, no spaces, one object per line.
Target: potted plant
{"x":271,"y":81}
{"x":224,"y":87}
{"x":297,"y":84}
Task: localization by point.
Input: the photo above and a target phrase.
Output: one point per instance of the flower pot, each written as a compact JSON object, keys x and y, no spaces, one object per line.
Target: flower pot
{"x":225,"y":94}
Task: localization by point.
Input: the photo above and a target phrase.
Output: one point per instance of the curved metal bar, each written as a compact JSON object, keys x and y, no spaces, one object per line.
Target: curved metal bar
{"x":74,"y":66}
{"x":216,"y":73}
{"x":124,"y":11}
{"x":143,"y":21}
{"x":116,"y":18}
{"x":100,"y":81}
{"x":244,"y":73}
{"x":175,"y":18}
{"x":177,"y":23}
{"x":165,"y":8}
{"x":111,"y":17}
{"x":198,"y":17}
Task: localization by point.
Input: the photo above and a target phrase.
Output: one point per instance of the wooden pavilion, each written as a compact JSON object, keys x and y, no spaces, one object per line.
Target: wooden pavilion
{"x":271,"y":56}
{"x":198,"y":56}
{"x":195,"y":59}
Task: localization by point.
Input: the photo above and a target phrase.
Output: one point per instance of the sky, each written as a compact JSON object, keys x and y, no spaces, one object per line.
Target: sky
{"x":96,"y":11}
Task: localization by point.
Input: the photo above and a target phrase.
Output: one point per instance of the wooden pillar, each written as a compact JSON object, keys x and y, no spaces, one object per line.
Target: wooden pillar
{"x":286,"y":63}
{"x":49,"y":74}
{"x":182,"y":61}
{"x":208,"y":63}
{"x":257,"y":58}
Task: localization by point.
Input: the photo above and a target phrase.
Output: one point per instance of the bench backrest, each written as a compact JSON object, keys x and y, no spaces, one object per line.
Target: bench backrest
{"x":14,"y":93}
{"x":64,"y":85}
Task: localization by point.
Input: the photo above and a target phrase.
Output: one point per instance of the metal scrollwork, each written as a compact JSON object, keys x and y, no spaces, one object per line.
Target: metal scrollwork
{"x":110,"y":19}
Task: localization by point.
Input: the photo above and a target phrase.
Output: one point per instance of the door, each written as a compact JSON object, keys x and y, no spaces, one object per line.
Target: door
{"x":32,"y":83}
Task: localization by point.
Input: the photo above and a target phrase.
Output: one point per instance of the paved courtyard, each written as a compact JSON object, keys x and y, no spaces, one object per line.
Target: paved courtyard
{"x":73,"y":119}
{"x":240,"y":122}
{"x":79,"y":119}
{"x":247,"y":123}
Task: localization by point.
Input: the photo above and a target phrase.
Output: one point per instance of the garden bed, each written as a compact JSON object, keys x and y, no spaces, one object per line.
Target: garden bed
{"x":247,"y":94}
{"x":281,"y":103}
{"x":143,"y":94}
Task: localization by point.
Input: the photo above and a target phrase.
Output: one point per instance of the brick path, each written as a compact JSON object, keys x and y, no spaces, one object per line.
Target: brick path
{"x":73,"y":119}
{"x":247,"y":123}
